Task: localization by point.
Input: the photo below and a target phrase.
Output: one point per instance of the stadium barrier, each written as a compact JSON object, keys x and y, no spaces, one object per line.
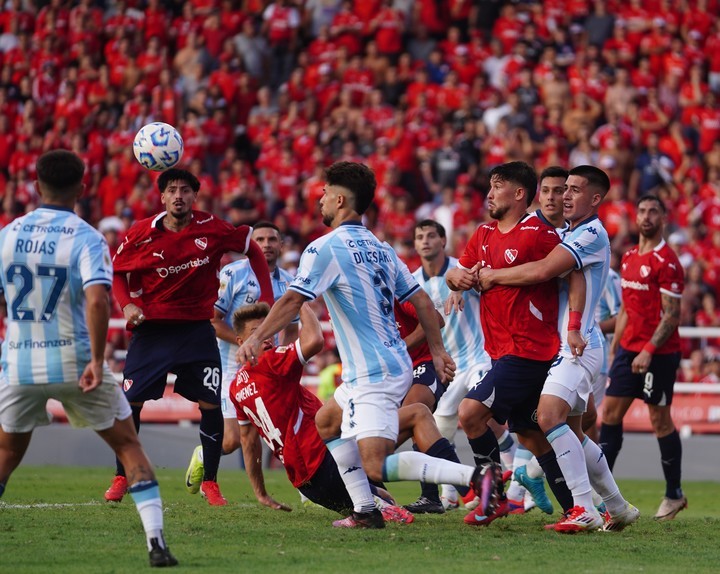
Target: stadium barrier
{"x":695,"y":408}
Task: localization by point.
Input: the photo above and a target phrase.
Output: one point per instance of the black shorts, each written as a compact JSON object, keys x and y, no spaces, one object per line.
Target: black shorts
{"x":654,"y":387}
{"x":511,"y":390}
{"x":425,"y":374}
{"x":327,"y":488}
{"x":189,"y":350}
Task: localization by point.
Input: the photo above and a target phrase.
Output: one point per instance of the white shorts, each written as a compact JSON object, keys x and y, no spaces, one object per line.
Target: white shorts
{"x":23,"y":407}
{"x":571,"y":379}
{"x":456,"y":391}
{"x":226,"y":405}
{"x":598,"y":388}
{"x":371,"y":410}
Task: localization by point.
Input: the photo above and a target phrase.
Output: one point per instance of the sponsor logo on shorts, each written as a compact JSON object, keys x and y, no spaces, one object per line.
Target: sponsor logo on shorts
{"x":127,"y":383}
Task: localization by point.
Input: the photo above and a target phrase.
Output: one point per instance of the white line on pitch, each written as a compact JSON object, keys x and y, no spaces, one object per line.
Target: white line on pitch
{"x":47,"y":505}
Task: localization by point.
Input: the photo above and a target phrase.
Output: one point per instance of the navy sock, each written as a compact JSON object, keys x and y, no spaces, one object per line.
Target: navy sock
{"x":444,"y":449}
{"x":2,"y":489}
{"x":212,"y":426}
{"x":611,"y":439}
{"x":119,"y":469}
{"x":671,"y":458}
{"x":556,"y":480}
{"x":485,"y":448}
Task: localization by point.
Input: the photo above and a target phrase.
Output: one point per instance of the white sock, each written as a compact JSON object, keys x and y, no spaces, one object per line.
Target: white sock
{"x":571,"y":459}
{"x":349,"y":463}
{"x":449,"y":492}
{"x":534,"y":470}
{"x":418,"y":466}
{"x":508,"y":446}
{"x":146,"y":495}
{"x":448,"y":426}
{"x":522,"y":456}
{"x":601,"y":478}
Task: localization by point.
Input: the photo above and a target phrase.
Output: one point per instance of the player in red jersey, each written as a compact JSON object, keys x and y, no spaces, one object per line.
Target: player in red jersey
{"x":646,"y":347}
{"x":166,"y":282}
{"x":271,"y":402}
{"x":520,"y":324}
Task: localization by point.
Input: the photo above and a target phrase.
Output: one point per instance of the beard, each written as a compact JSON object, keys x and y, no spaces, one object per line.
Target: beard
{"x":650,"y":232}
{"x":499,"y":212}
{"x":327,"y":220}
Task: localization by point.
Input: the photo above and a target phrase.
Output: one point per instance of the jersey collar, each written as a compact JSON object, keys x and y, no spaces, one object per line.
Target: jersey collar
{"x":157,"y":220}
{"x":55,"y":207}
{"x":445,"y":266}
{"x":355,"y":223}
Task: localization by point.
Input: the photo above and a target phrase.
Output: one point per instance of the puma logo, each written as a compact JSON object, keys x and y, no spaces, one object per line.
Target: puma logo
{"x":160,"y":255}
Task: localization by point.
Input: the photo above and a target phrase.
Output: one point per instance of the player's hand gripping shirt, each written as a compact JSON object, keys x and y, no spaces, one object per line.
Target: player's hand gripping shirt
{"x":239,"y":286}
{"x":462,"y":335}
{"x":48,"y":258}
{"x":269,"y":396}
{"x":359,"y":277}
{"x":589,"y":244}
{"x":644,"y":279}
{"x":174,"y":275}
{"x":519,"y":321}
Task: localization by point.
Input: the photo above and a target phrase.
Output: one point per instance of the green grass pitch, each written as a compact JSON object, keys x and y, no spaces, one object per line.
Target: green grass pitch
{"x":52,"y":519}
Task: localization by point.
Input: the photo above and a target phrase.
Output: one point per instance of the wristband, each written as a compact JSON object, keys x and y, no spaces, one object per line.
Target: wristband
{"x":575,"y":321}
{"x":649,"y":347}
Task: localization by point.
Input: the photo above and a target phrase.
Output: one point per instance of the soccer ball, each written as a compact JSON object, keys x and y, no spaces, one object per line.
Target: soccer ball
{"x":158,"y":146}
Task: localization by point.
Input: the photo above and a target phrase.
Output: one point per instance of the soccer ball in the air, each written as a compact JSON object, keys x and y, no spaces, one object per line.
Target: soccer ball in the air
{"x":158,"y":146}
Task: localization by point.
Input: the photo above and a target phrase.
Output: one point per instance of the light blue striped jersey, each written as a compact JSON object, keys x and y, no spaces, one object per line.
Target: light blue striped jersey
{"x":589,"y":244}
{"x":48,"y":258}
{"x":462,"y":333}
{"x":609,"y":306}
{"x":238,"y":287}
{"x":359,"y":277}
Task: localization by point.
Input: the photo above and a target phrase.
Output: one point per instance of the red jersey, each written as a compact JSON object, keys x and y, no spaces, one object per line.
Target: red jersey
{"x":407,"y":321}
{"x":270,"y":397}
{"x":520,"y":321}
{"x":643,"y":279}
{"x":174,"y":276}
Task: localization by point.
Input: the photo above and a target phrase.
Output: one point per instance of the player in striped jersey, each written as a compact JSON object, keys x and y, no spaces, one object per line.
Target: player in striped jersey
{"x":360,"y":277}
{"x":56,"y":277}
{"x":568,"y":385}
{"x":239,"y":286}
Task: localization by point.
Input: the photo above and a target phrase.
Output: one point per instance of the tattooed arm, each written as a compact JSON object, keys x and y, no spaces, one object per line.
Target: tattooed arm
{"x":668,"y":325}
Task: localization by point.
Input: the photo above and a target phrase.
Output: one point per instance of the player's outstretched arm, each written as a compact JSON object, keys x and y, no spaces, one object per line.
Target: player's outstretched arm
{"x":222,"y":329}
{"x":282,"y":312}
{"x":311,"y":336}
{"x":97,"y":309}
{"x":417,"y":337}
{"x":252,"y":453}
{"x":558,"y":262}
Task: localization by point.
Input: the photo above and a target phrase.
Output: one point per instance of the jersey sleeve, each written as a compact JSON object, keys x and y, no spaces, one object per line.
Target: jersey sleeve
{"x":285,"y":364}
{"x":671,"y":278}
{"x":238,"y":238}
{"x":470,"y":256}
{"x":94,"y":262}
{"x":586,"y":245}
{"x":545,"y":241}
{"x":405,"y":283}
{"x":317,"y":271}
{"x":124,"y":258}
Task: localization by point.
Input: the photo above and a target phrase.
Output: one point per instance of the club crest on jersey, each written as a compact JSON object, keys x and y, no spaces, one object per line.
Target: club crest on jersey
{"x":511,"y":255}
{"x":127,"y":383}
{"x":644,"y":271}
{"x":201,"y":242}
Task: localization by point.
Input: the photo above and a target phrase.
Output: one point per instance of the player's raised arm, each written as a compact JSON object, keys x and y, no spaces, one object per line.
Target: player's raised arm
{"x":259,"y":265}
{"x":311,"y":336}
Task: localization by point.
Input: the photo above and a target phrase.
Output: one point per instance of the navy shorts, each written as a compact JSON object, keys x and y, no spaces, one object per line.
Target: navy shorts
{"x":425,"y":374}
{"x":327,"y":488}
{"x":511,"y":390}
{"x":189,"y":350}
{"x":654,"y":387}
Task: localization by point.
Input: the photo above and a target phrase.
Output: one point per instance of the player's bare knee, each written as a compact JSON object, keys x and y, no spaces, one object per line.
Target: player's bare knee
{"x":589,"y":420}
{"x":661,"y":421}
{"x":472,"y":418}
{"x":328,"y":420}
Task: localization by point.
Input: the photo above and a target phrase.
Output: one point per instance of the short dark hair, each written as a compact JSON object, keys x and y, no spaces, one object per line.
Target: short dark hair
{"x":595,"y":177}
{"x":356,"y":177}
{"x":264,"y":224}
{"x":553,"y":171}
{"x":651,"y":197}
{"x":177,"y":174}
{"x":431,"y":223}
{"x":520,"y":173}
{"x":60,"y":171}
{"x":248,"y":313}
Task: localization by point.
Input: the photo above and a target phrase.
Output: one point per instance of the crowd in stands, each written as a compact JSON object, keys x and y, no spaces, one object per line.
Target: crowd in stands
{"x":430,"y":93}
